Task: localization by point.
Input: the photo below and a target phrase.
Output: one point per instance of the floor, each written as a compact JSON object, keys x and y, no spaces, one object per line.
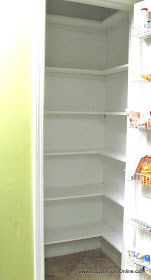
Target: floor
{"x":68,"y":267}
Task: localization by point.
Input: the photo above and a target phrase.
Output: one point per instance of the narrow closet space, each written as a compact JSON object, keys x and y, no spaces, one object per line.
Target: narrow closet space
{"x":85,"y":127}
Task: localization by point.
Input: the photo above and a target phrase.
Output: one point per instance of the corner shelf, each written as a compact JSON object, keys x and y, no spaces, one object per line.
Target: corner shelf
{"x":87,"y":72}
{"x":73,"y":192}
{"x":80,"y":231}
{"x":80,"y":191}
{"x":47,"y":113}
{"x":97,"y":151}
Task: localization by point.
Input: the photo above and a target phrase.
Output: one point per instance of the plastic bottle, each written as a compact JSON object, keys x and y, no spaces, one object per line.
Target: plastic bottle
{"x":144,"y":19}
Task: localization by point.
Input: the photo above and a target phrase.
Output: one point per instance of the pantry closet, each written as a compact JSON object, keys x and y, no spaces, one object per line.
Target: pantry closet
{"x":85,"y":128}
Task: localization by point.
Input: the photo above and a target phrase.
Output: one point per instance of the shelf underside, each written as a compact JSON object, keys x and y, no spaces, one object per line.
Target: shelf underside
{"x":81,"y":191}
{"x":91,"y":113}
{"x":83,"y":231}
{"x":97,"y":151}
{"x":87,"y":72}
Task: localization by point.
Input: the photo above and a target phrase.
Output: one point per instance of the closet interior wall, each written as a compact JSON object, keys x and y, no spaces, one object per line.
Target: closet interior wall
{"x":84,"y":135}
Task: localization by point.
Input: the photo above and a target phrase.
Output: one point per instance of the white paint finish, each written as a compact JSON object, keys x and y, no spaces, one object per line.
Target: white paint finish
{"x":87,"y":151}
{"x":87,"y":72}
{"x":78,"y":211}
{"x":113,"y":70}
{"x":69,"y":9}
{"x":112,"y":237}
{"x":71,"y":152}
{"x":78,"y":169}
{"x":72,"y":247}
{"x":113,"y":216}
{"x":74,"y":94}
{"x":73,"y":49}
{"x":109,"y":153}
{"x":85,"y":113}
{"x":73,"y":232}
{"x":84,"y":191}
{"x":117,"y":44}
{"x":112,"y":4}
{"x":110,"y":251}
{"x":115,"y":135}
{"x":62,"y":132}
{"x":113,"y":194}
{"x":83,"y":231}
{"x":114,"y":20}
{"x":114,"y":179}
{"x":37,"y":81}
{"x":116,"y":92}
{"x":73,"y":192}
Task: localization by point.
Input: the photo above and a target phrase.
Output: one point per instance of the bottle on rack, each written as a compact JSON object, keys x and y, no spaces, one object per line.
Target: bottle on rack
{"x":144,"y":19}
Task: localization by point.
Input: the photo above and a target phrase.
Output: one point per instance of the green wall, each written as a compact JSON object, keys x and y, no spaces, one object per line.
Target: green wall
{"x":16,"y":212}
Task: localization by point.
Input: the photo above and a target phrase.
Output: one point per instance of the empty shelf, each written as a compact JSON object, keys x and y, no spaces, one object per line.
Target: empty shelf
{"x":69,"y":152}
{"x":81,"y":191}
{"x":72,"y":192}
{"x":113,"y":155}
{"x":75,"y":71}
{"x":72,"y":232}
{"x":112,"y":237}
{"x":114,"y":196}
{"x":84,"y":113}
{"x":83,"y":231}
{"x":114,"y":70}
{"x":97,"y":151}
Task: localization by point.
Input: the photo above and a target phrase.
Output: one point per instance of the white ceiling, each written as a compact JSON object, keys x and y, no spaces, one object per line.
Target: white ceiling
{"x":71,"y":9}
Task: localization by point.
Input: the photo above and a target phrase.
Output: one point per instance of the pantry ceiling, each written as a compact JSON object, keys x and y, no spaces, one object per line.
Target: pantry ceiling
{"x":71,"y":9}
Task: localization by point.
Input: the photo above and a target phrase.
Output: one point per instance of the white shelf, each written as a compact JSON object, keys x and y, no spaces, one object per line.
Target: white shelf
{"x":87,"y":72}
{"x":85,"y":113}
{"x":113,"y":155}
{"x":97,"y":151}
{"x":83,"y":231}
{"x":81,"y":191}
{"x":72,"y":192}
{"x":69,"y":152}
{"x":114,"y":70}
{"x":113,"y":196}
{"x":112,"y":237}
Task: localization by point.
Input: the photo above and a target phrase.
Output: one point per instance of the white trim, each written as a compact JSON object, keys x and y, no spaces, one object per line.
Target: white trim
{"x":113,"y":4}
{"x":38,"y":71}
{"x":84,"y":24}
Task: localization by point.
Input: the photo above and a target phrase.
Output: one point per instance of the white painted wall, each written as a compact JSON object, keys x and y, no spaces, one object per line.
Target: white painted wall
{"x":72,"y":170}
{"x":74,"y":93}
{"x":70,"y":48}
{"x":117,"y":44}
